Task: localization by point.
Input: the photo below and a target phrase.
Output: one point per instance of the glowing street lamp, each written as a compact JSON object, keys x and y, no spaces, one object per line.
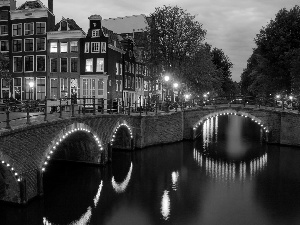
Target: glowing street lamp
{"x":167,"y":78}
{"x":175,"y":85}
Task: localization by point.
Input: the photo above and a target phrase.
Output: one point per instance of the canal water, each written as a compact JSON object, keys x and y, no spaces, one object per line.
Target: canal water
{"x":227,"y":176}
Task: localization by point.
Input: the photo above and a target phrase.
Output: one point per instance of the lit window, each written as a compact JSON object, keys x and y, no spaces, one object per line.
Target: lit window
{"x":64,"y":47}
{"x":28,"y":29}
{"x":40,"y":87}
{"x":121,"y":69}
{"x":95,"y":47}
{"x":17,"y":29}
{"x":63,"y":87}
{"x":53,"y":88}
{"x":100,"y":65}
{"x":86,"y":47}
{"x":117,"y":68}
{"x":89,"y":65}
{"x":41,"y":63}
{"x":53,"y":47}
{"x":100,"y":87}
{"x":40,"y":27}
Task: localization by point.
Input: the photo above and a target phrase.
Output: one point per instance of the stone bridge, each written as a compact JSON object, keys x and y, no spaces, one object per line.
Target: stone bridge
{"x":26,"y":152}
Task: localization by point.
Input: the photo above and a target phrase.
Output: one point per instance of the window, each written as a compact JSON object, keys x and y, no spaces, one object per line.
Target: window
{"x":28,"y":45}
{"x":63,"y":25}
{"x":28,"y":63}
{"x":17,"y":66}
{"x":40,"y":87}
{"x":53,"y":88}
{"x":64,"y":65}
{"x":95,"y":47}
{"x":41,"y":63}
{"x":74,"y":64}
{"x":40,"y":27}
{"x":64,"y":47}
{"x":121,"y":69}
{"x":117,"y":85}
{"x":103,"y":47}
{"x":17,"y":29}
{"x":40,"y":44}
{"x":29,"y":91}
{"x":3,"y":30}
{"x":17,"y":88}
{"x":125,"y":79}
{"x":63,"y":87}
{"x":89,"y":65}
{"x":100,"y":87}
{"x":28,"y":29}
{"x":126,"y":67}
{"x":86,"y":47}
{"x":4,"y":46}
{"x":53,"y":47}
{"x":4,"y":15}
{"x":17,"y":45}
{"x":74,"y":46}
{"x":74,"y":86}
{"x":117,"y":68}
{"x":53,"y":65}
{"x":121,"y":85}
{"x":100,"y":65}
{"x":95,"y":33}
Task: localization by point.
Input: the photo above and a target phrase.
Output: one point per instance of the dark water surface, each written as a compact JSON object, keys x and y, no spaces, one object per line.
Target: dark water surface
{"x":227,"y":176}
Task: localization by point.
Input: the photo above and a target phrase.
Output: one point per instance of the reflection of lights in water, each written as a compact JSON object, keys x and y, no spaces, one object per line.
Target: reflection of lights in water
{"x":84,"y":219}
{"x":216,"y":127}
{"x":121,"y":187}
{"x":96,"y":199}
{"x":165,"y":205}
{"x":226,"y":171}
{"x":175,"y":176}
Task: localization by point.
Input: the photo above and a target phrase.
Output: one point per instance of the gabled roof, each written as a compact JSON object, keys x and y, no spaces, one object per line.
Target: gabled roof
{"x":127,"y":24}
{"x":112,"y":37}
{"x":72,"y":25}
{"x":32,"y":5}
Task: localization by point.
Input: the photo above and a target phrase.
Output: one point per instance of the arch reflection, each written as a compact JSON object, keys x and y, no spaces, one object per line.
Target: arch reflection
{"x":230,"y":171}
{"x":121,"y":187}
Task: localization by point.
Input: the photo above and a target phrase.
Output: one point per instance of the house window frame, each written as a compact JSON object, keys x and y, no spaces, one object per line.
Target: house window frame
{"x":39,"y":95}
{"x":14,"y":70}
{"x":7,"y":45}
{"x":86,"y":47}
{"x":96,"y":33}
{"x":36,"y":43}
{"x":2,"y":33}
{"x":28,"y":71}
{"x":25,"y":30}
{"x":63,"y":45}
{"x":52,"y":47}
{"x":19,"y":29}
{"x":90,"y":66}
{"x":61,"y":65}
{"x":95,"y":47}
{"x":54,"y":88}
{"x":37,"y":28}
{"x":36,"y":63}
{"x":100,"y":68}
{"x":74,"y":46}
{"x":51,"y":65}
{"x":103,"y":47}
{"x":27,"y":43}
{"x":7,"y":15}
{"x":74,"y":67}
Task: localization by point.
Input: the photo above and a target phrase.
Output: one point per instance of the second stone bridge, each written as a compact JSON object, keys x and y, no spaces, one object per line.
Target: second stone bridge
{"x":25,"y":152}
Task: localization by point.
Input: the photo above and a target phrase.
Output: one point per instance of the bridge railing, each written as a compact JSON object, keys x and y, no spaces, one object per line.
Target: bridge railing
{"x":15,"y":113}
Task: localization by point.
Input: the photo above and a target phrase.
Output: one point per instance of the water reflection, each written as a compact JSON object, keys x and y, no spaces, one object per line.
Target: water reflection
{"x":165,"y":205}
{"x":121,"y":187}
{"x":175,"y":176}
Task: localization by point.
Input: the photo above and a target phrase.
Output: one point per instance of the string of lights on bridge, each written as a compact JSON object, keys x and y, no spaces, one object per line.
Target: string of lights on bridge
{"x":64,"y":137}
{"x":231,"y":113}
{"x":116,"y":130}
{"x":12,"y":169}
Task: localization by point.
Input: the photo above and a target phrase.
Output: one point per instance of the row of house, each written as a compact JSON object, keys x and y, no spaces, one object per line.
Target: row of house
{"x":60,"y":60}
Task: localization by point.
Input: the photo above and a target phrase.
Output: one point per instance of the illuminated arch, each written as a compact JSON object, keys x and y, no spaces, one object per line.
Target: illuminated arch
{"x":232,"y":112}
{"x":77,"y":127}
{"x":124,"y":124}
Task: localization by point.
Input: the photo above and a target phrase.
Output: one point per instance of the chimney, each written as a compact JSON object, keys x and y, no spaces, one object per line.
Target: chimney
{"x":12,"y":5}
{"x":50,"y":5}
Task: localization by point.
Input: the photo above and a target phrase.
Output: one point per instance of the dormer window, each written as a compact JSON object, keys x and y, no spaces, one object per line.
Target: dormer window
{"x":95,"y":33}
{"x":63,"y":25}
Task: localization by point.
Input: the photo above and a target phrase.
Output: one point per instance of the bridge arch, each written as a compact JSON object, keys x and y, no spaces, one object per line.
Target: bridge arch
{"x":63,"y":134}
{"x":115,"y":137}
{"x":227,"y":112}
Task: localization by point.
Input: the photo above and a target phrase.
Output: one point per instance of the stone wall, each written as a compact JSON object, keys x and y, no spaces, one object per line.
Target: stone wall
{"x":290,"y":129}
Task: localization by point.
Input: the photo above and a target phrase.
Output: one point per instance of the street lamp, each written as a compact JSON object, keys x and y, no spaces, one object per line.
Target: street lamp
{"x":31,"y":84}
{"x":175,"y":85}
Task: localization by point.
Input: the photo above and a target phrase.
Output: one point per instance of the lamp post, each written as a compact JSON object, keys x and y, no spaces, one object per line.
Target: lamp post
{"x":31,"y":84}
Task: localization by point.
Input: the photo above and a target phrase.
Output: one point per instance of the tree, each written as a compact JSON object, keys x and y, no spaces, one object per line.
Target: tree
{"x":275,"y":60}
{"x":172,"y":36}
